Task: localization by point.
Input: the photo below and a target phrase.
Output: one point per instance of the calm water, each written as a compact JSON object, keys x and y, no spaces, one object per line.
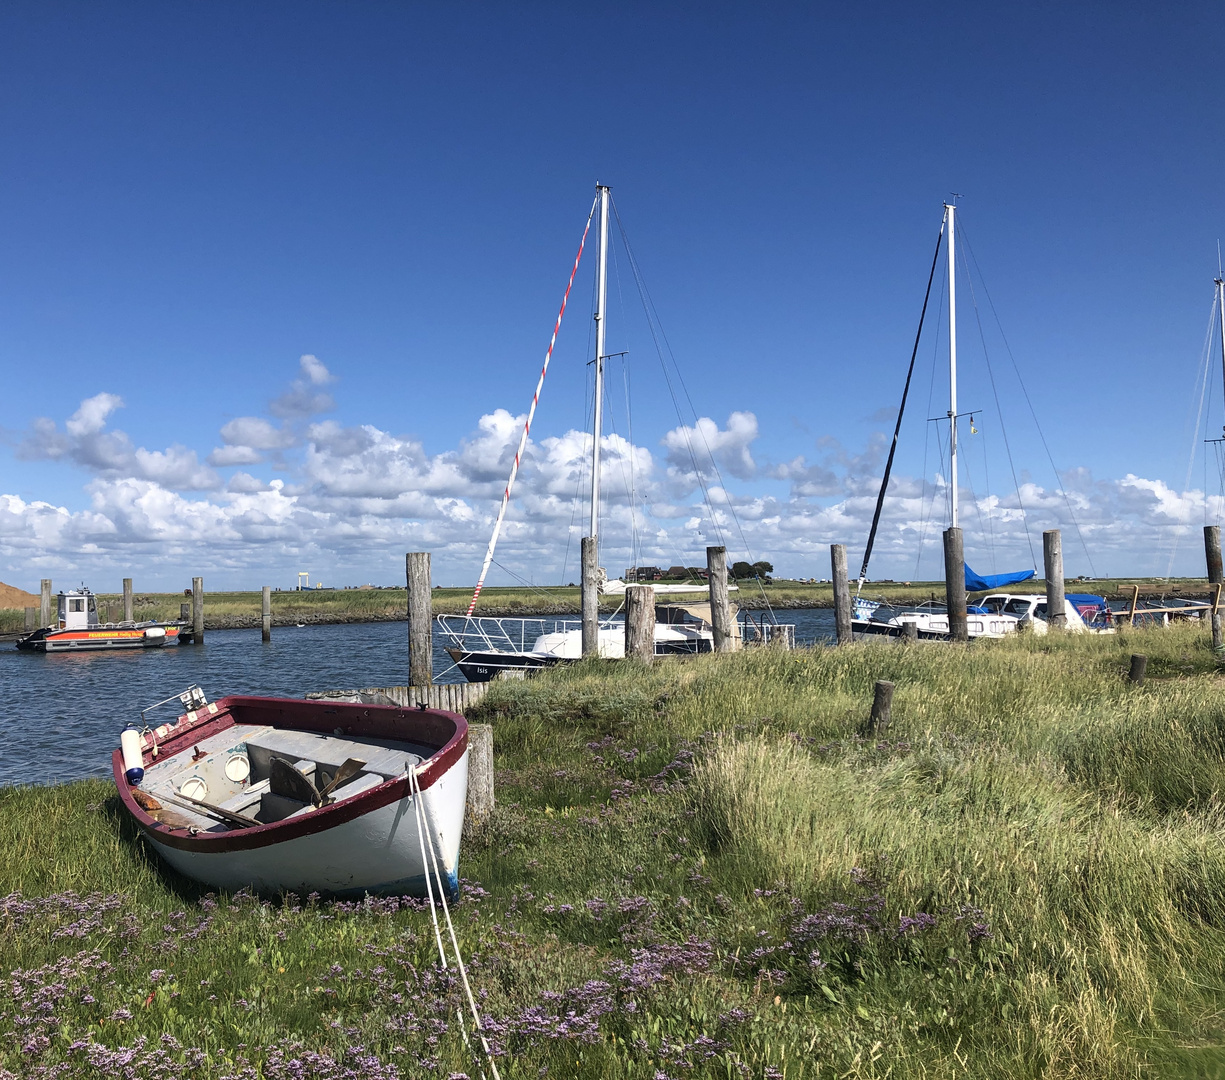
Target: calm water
{"x":61,"y":715}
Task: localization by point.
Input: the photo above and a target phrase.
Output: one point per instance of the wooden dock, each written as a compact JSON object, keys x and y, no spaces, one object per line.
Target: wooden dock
{"x":451,"y":697}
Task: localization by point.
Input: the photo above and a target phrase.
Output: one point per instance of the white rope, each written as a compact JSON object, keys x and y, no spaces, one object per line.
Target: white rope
{"x":422,"y":813}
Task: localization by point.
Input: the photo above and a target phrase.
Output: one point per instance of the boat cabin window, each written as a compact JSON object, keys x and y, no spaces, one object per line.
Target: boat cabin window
{"x":1017,"y":607}
{"x":76,"y":603}
{"x":1040,"y":611}
{"x":93,"y":604}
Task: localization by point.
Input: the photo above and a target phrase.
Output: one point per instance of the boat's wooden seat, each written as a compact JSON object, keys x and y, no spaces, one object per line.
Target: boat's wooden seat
{"x":328,"y":752}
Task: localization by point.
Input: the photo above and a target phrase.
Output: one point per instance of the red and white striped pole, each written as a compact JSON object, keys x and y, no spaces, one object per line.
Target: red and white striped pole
{"x":514,"y":469}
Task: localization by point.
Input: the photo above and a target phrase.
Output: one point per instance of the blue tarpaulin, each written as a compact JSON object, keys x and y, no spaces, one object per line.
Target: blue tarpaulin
{"x":979,"y":583}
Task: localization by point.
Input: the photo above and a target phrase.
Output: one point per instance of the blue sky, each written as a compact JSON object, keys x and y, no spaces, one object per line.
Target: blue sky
{"x":195,"y":197}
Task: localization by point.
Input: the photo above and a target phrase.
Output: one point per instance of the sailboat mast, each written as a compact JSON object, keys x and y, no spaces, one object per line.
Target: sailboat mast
{"x":950,"y":209}
{"x":1220,"y":304}
{"x":601,"y":299}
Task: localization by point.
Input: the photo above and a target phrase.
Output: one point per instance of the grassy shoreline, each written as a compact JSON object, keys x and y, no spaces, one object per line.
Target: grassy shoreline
{"x":236,"y":610}
{"x":704,"y":869}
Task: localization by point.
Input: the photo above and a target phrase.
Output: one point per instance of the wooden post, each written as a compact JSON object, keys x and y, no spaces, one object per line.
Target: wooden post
{"x":1139,"y":664}
{"x":44,"y":603}
{"x":1052,"y":561}
{"x":197,"y":610}
{"x":31,"y":614}
{"x":420,"y":619}
{"x":720,"y":607}
{"x":910,"y":630}
{"x":266,"y":628}
{"x":1216,"y":575}
{"x":882,"y":708}
{"x":842,"y":594}
{"x":590,"y":595}
{"x":127,"y":600}
{"x":184,"y":613}
{"x":1135,"y":603}
{"x":955,"y":585}
{"x":480,"y":775}
{"x":640,"y":622}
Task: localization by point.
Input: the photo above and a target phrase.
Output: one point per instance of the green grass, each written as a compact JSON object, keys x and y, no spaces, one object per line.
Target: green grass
{"x":1028,"y":869}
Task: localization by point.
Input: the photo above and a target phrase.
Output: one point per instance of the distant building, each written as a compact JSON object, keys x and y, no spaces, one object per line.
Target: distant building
{"x":643,"y":573}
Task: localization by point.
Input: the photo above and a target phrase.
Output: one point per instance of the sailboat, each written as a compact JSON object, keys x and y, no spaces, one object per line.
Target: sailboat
{"x":483,"y":648}
{"x":999,"y":613}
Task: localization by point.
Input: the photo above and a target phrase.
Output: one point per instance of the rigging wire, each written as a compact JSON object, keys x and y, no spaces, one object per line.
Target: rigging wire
{"x":1202,"y":379}
{"x":897,"y":427}
{"x":1029,"y":402}
{"x":996,"y":395}
{"x":655,"y":324}
{"x":928,"y":506}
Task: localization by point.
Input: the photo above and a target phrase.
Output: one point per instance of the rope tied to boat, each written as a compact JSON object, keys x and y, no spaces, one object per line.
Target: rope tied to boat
{"x":422,"y":818}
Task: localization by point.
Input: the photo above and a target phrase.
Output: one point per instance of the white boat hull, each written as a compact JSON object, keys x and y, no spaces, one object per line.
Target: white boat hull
{"x":379,"y":852}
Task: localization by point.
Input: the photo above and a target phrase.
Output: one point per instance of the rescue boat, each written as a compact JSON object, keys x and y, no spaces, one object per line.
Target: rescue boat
{"x":77,"y":628}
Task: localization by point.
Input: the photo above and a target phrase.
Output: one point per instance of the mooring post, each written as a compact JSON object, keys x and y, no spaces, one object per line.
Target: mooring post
{"x":1139,"y":664}
{"x":955,"y":585}
{"x":910,"y":630}
{"x":266,"y":620}
{"x":1216,"y":575}
{"x":720,"y":606}
{"x":31,"y":614}
{"x":480,"y":775}
{"x":882,"y":708}
{"x":842,"y":594}
{"x":185,"y":613}
{"x":1052,"y":561}
{"x":590,"y":595}
{"x":420,"y":619}
{"x":197,"y":610}
{"x":127,"y":600}
{"x":640,"y":622}
{"x":44,"y":603}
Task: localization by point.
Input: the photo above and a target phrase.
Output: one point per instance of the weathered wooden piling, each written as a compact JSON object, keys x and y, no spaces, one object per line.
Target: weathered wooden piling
{"x":910,"y":630}
{"x":44,"y":603}
{"x":197,"y":610}
{"x":185,"y":613}
{"x":842,"y":594}
{"x":480,"y":775}
{"x":882,"y":708}
{"x":590,"y":595}
{"x":722,"y":630}
{"x":640,"y":622}
{"x":1216,"y":575}
{"x":266,"y":620}
{"x":955,"y":585}
{"x":127,"y":600}
{"x":1052,"y":561}
{"x":420,"y":619}
{"x":1139,"y":664}
{"x":31,"y":615}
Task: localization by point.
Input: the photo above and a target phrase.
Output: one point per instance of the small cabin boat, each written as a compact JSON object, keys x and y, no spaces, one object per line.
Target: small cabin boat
{"x":281,"y":795}
{"x":77,"y":627}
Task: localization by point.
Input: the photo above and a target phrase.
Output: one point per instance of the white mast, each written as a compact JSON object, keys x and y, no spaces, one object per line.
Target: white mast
{"x":601,"y":296}
{"x":949,"y":209}
{"x":1220,"y":303}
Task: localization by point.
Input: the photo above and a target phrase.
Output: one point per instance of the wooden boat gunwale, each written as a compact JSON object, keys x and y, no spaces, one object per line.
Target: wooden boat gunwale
{"x":354,"y":719}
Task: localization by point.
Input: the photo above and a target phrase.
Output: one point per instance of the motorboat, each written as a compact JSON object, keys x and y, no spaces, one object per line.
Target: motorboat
{"x":77,"y":628}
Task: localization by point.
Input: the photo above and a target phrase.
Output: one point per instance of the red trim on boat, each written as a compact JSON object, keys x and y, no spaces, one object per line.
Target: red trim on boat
{"x":429,"y":727}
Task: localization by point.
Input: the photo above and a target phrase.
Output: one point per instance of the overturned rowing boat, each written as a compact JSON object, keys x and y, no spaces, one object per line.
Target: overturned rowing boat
{"x":281,"y":795}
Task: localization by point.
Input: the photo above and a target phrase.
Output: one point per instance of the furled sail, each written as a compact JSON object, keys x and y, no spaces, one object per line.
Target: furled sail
{"x":982,"y":582}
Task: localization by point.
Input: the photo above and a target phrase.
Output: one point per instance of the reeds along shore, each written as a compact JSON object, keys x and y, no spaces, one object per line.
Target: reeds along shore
{"x":704,"y":869}
{"x":236,"y":610}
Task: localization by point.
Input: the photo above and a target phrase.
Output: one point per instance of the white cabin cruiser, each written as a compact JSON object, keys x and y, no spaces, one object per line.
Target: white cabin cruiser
{"x":994,"y":616}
